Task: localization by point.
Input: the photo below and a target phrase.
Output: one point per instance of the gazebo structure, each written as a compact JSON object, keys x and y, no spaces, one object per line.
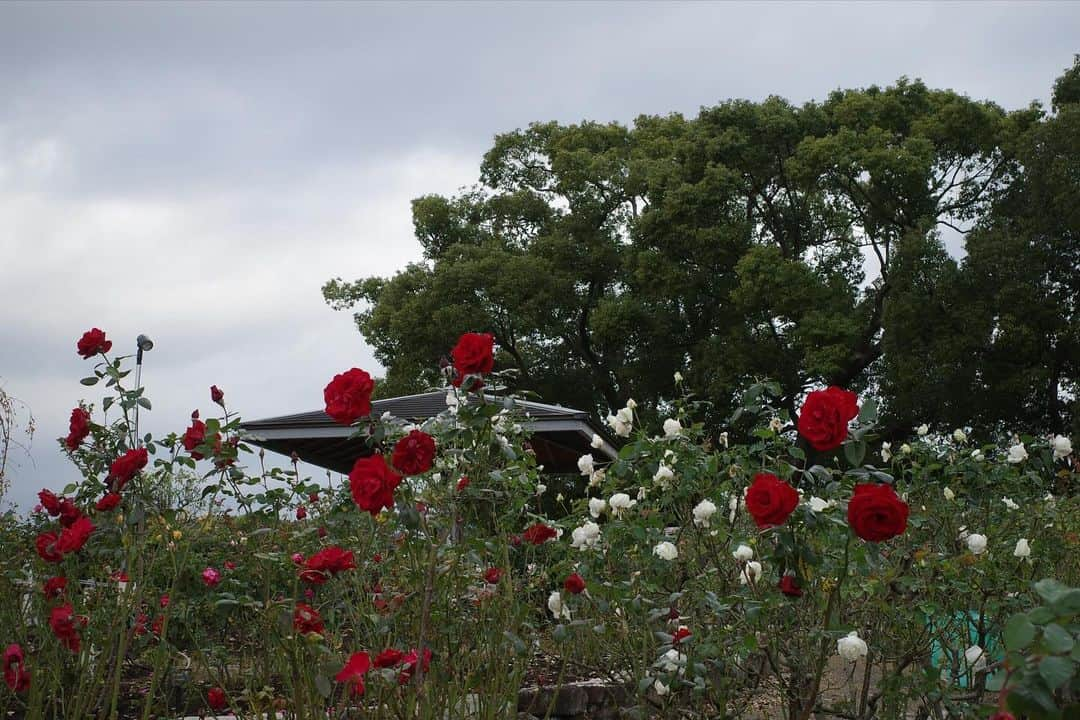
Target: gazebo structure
{"x":559,"y":435}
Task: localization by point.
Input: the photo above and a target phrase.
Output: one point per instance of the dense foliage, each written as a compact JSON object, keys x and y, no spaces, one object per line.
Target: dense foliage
{"x":731,"y":246}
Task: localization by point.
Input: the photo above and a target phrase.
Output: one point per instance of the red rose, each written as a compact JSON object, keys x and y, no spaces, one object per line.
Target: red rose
{"x":372,"y":483}
{"x":348,"y":396}
{"x":539,"y":533}
{"x":353,"y":672}
{"x":825,"y":415}
{"x":679,"y":635}
{"x":409,"y":663}
{"x":301,"y":512}
{"x":127,"y":466}
{"x":69,"y":513}
{"x":195,"y":436}
{"x":158,"y":625}
{"x":108,"y":502}
{"x":388,"y":658}
{"x":875,"y":513}
{"x":574,"y":584}
{"x":46,"y":547}
{"x":215,"y":698}
{"x":313,"y":498}
{"x":790,"y":586}
{"x":473,"y":355}
{"x":63,"y":622}
{"x":16,"y":675}
{"x":139,"y":625}
{"x":230,"y":565}
{"x":217,"y":396}
{"x":462,"y":483}
{"x":770,"y":500}
{"x":211,"y":577}
{"x":73,"y":538}
{"x":93,"y":342}
{"x":492,"y":575}
{"x":328,"y":561}
{"x":50,"y":502}
{"x":54,"y":587}
{"x":414,"y":453}
{"x":163,"y":601}
{"x":322,"y":532}
{"x":307,"y":619}
{"x":78,"y":428}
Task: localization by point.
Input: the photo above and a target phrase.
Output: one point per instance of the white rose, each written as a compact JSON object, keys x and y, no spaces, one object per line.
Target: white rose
{"x":702,"y":512}
{"x":905,"y":449}
{"x":1017,"y":453}
{"x":620,"y":503}
{"x":666,"y":551}
{"x":976,"y":543}
{"x":597,"y":478}
{"x":886,"y":451}
{"x":733,"y":506}
{"x":631,"y":405}
{"x":597,"y":506}
{"x":819,"y":505}
{"x":585,"y":536}
{"x":672,"y":428}
{"x":641,"y":493}
{"x":619,"y":426}
{"x":977,"y":456}
{"x":1023,"y":548}
{"x":451,"y":400}
{"x":851,"y":647}
{"x":1062,"y":447}
{"x":975,"y":658}
{"x":948,"y":493}
{"x":664,"y":475}
{"x":1009,"y":503}
{"x":724,"y":439}
{"x":743,"y":553}
{"x":597,"y":442}
{"x":560,"y":497}
{"x":541,"y":488}
{"x":776,"y":425}
{"x":585,"y":464}
{"x":556,"y":606}
{"x":923,"y":429}
{"x":678,"y":376}
{"x":751,"y":571}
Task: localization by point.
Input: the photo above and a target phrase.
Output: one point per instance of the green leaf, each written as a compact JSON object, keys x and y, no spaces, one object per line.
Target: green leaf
{"x":1057,"y":639}
{"x":1019,"y":632}
{"x":868,"y":412}
{"x":1056,"y":671}
{"x":89,"y":381}
{"x":855,"y":452}
{"x":144,"y":402}
{"x":322,"y":684}
{"x":1068,"y":602}
{"x":1050,"y":590}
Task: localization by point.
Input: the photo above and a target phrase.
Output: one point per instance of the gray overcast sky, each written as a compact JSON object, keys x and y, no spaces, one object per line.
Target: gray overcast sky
{"x":196,"y":171}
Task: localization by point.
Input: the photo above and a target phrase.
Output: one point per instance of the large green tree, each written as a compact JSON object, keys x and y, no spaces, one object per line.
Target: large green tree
{"x":758,"y":239}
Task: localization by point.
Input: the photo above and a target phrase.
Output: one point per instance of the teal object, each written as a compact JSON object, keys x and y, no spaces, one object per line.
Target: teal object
{"x":962,"y":633}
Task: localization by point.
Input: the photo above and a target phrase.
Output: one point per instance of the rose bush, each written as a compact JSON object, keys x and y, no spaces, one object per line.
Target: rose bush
{"x":801,"y":567}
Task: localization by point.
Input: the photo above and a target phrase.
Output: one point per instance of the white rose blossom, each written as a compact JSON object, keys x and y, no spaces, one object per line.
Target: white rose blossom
{"x":776,"y":425}
{"x":975,"y":658}
{"x":585,"y":464}
{"x":851,"y":647}
{"x":702,"y":512}
{"x":597,"y":442}
{"x":620,"y":503}
{"x":631,"y":405}
{"x":948,"y":493}
{"x":819,"y":504}
{"x":672,"y":428}
{"x":750,"y":572}
{"x":556,"y":606}
{"x":541,"y":488}
{"x":977,"y":455}
{"x":1010,"y":503}
{"x":621,"y":423}
{"x":905,"y":449}
{"x":585,"y":536}
{"x":597,"y":478}
{"x":597,"y":506}
{"x":1023,"y":549}
{"x":1017,"y":454}
{"x":1062,"y":447}
{"x":641,"y":493}
{"x":886,"y":451}
{"x":976,"y":543}
{"x":678,"y":376}
{"x":666,"y":550}
{"x":733,"y":506}
{"x":724,"y":439}
{"x":959,"y":435}
{"x":743,"y":553}
{"x":663,"y":476}
{"x":922,"y":430}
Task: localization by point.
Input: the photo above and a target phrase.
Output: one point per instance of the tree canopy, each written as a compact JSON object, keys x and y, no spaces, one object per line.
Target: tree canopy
{"x":804,"y":244}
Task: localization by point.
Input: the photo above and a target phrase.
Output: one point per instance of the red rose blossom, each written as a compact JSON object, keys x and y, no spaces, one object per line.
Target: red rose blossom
{"x":195,"y":436}
{"x":876,"y":513}
{"x":78,"y":428}
{"x":372,"y":483}
{"x":353,"y":672}
{"x":127,"y":466}
{"x":348,"y":396}
{"x":492,"y":575}
{"x":215,"y":698}
{"x":409,"y":664}
{"x":73,"y":538}
{"x":414,"y":453}
{"x":301,"y":512}
{"x":328,"y":561}
{"x":388,"y":658}
{"x":69,"y":513}
{"x":16,"y":675}
{"x":574,"y":584}
{"x":824,"y":417}
{"x":50,"y":502}
{"x":790,"y":586}
{"x":217,"y":396}
{"x":473,"y":355}
{"x":539,"y":533}
{"x":306,"y":619}
{"x":211,"y":577}
{"x":462,"y":483}
{"x":64,"y":624}
{"x":110,"y":501}
{"x":54,"y":587}
{"x":139,"y":626}
{"x":679,"y":635}
{"x":46,"y":547}
{"x":93,"y":342}
{"x":770,"y":500}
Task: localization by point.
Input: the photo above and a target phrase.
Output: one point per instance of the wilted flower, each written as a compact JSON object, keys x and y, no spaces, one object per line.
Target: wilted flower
{"x":743,"y":553}
{"x":1023,"y":549}
{"x":750,"y":572}
{"x":1062,"y":447}
{"x":976,"y":543}
{"x":672,"y":428}
{"x":585,"y":464}
{"x":620,"y":503}
{"x":556,"y":606}
{"x":702,"y":512}
{"x":666,"y":550}
{"x":597,"y":506}
{"x":1017,"y":453}
{"x":851,"y":647}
